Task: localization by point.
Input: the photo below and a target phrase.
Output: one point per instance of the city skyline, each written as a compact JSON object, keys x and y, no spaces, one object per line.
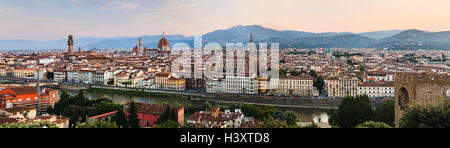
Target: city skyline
{"x":45,"y":20}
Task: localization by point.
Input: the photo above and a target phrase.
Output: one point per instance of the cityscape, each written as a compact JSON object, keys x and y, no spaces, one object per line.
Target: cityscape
{"x":244,"y":76}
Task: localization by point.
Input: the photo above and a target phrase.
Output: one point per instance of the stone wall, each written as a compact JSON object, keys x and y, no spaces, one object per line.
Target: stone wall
{"x":418,"y":88}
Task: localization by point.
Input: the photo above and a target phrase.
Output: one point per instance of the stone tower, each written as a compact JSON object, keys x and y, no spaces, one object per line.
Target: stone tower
{"x":70,"y":43}
{"x":141,"y":47}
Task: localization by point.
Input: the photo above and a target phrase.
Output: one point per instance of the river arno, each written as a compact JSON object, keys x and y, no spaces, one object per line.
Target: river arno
{"x":304,"y":114}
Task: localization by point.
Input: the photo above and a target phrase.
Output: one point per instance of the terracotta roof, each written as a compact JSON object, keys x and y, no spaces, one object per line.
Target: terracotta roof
{"x":4,"y":120}
{"x":377,"y":84}
{"x":155,"y":109}
{"x":18,"y":109}
{"x":305,"y":77}
{"x":103,"y":115}
{"x":332,"y":78}
{"x":163,"y":42}
{"x":24,"y":90}
{"x":162,"y":74}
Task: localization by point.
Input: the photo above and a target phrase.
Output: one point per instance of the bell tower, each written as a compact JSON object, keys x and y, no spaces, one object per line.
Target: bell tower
{"x":70,"y":43}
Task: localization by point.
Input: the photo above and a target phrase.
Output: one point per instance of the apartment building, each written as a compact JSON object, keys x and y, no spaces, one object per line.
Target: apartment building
{"x":295,"y":86}
{"x":377,"y":89}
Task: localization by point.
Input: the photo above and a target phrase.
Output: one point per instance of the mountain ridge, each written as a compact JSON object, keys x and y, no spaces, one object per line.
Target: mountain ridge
{"x":385,"y":39}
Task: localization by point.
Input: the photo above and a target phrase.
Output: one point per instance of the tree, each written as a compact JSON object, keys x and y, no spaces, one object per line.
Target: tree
{"x":126,"y":84}
{"x":50,"y":75}
{"x":98,"y":124}
{"x":271,"y":122}
{"x":427,"y":116}
{"x":319,"y":82}
{"x":361,"y":68}
{"x":40,"y":124}
{"x":283,"y":72}
{"x":121,"y":119}
{"x":312,"y":125}
{"x":63,"y":102}
{"x":290,"y":117}
{"x":168,"y":124}
{"x":206,"y":106}
{"x":296,"y":73}
{"x":352,"y":112}
{"x":133,"y":117}
{"x":386,"y":113}
{"x":372,"y":124}
{"x":80,"y":99}
{"x":313,"y":74}
{"x":75,"y":113}
{"x":269,"y":111}
{"x":189,"y":125}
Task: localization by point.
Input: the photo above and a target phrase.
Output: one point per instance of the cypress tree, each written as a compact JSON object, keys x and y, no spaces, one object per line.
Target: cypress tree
{"x":133,"y":118}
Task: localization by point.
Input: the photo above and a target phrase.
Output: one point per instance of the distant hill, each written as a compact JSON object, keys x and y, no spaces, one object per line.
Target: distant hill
{"x":377,"y":35}
{"x":392,"y":39}
{"x":416,"y":39}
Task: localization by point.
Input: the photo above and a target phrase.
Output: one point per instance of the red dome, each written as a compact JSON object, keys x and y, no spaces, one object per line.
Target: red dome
{"x":163,"y":42}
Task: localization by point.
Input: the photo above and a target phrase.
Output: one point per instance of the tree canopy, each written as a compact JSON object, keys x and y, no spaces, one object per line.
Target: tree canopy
{"x":426,"y":116}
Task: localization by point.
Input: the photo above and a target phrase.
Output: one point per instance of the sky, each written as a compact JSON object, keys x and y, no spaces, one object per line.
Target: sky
{"x":45,"y":20}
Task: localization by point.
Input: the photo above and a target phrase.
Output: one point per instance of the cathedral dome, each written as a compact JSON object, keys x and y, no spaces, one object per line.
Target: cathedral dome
{"x":163,"y":43}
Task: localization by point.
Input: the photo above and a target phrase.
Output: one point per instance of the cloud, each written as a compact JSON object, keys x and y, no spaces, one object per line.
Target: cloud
{"x":119,"y":5}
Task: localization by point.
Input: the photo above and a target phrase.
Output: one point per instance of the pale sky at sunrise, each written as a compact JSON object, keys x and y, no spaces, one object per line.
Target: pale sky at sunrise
{"x":44,"y":20}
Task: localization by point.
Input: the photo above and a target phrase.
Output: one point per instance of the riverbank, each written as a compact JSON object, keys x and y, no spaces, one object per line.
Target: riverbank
{"x":306,"y":114}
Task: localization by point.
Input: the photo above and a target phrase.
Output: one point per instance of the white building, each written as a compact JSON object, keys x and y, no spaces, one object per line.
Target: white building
{"x":59,"y":76}
{"x":215,"y":85}
{"x":380,"y":76}
{"x":348,"y":86}
{"x":295,"y":86}
{"x":377,"y":89}
{"x":241,"y":85}
{"x":87,"y":77}
{"x":73,"y":76}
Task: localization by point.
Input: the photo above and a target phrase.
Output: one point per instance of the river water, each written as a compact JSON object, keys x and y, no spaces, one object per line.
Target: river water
{"x":304,"y":114}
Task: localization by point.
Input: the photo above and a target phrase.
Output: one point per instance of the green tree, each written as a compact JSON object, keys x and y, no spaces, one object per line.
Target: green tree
{"x":290,"y":117}
{"x":427,"y":116}
{"x":312,"y":125}
{"x":205,"y":106}
{"x":98,"y":124}
{"x":269,"y":111}
{"x":296,"y":73}
{"x":313,"y":74}
{"x":283,"y":72}
{"x":126,"y":84}
{"x":189,"y":125}
{"x":133,"y":119}
{"x":361,"y":68}
{"x":352,"y":112}
{"x":40,"y":124}
{"x":319,"y":82}
{"x":386,"y":113}
{"x":271,"y":122}
{"x":75,"y":113}
{"x":168,"y":124}
{"x":50,"y":75}
{"x":79,"y":100}
{"x":63,"y":102}
{"x":372,"y":124}
{"x":121,"y":119}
